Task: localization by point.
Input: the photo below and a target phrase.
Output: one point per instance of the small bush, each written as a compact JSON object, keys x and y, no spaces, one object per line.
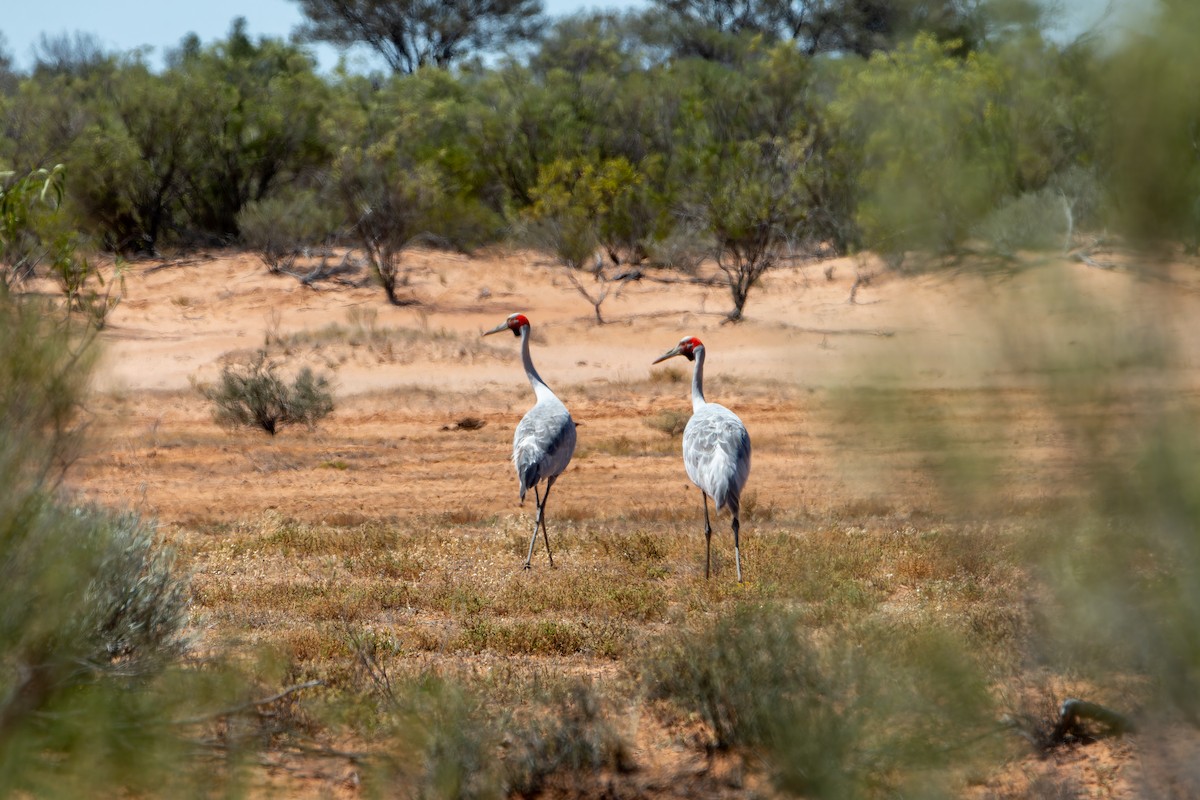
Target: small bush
{"x":136,"y":606}
{"x":282,"y":229}
{"x":256,"y":397}
{"x":670,"y":375}
{"x":684,"y":249}
{"x":92,"y":617}
{"x":573,"y":738}
{"x":1032,"y":221}
{"x":446,"y":740}
{"x":869,"y":710}
{"x":669,"y":422}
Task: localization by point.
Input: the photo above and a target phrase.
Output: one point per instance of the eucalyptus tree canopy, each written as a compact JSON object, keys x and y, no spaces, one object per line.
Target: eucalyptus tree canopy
{"x":410,"y":34}
{"x":695,"y":27}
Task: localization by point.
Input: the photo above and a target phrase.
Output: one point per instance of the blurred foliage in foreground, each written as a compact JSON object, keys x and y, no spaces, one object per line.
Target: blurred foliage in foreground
{"x":1089,"y":443}
{"x":95,"y":692}
{"x":92,"y":612}
{"x":874,"y":710}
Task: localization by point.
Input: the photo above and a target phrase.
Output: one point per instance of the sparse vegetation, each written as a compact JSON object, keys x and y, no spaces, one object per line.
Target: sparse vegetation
{"x":362,"y":332}
{"x":920,"y":541}
{"x":256,"y":396}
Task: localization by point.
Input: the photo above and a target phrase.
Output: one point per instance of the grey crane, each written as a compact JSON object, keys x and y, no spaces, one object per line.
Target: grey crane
{"x":716,"y":450}
{"x":545,"y":437}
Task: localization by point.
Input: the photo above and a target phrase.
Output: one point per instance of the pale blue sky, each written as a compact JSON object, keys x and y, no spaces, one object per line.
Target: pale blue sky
{"x":123,"y":25}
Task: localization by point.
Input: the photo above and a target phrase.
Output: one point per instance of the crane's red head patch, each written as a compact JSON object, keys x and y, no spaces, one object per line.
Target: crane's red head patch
{"x":688,"y":345}
{"x":516,"y":322}
{"x":686,"y":348}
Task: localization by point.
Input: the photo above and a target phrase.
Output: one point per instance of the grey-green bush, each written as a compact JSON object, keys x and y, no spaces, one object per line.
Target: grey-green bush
{"x":257,"y":397}
{"x":868,"y":709}
{"x":92,"y":611}
{"x":281,"y":229}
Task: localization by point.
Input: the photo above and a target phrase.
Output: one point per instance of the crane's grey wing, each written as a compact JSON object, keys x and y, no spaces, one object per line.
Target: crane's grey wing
{"x":716,"y":454}
{"x":543,"y":444}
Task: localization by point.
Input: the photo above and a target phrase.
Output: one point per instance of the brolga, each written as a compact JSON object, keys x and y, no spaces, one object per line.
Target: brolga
{"x":545,"y":437}
{"x":716,"y":451}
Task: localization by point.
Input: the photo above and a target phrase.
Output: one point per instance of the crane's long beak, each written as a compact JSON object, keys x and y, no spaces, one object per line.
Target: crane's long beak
{"x":503,"y":326}
{"x":669,"y":354}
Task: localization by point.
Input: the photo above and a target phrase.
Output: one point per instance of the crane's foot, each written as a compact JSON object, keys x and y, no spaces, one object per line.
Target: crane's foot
{"x":527,"y":566}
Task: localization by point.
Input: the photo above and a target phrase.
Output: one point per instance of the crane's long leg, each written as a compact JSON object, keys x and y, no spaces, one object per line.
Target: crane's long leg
{"x":737,"y":555}
{"x":536,"y":522}
{"x":707,"y":537}
{"x":540,"y":522}
{"x":542,"y":517}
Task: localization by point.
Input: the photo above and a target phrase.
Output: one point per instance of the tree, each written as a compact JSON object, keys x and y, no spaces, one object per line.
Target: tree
{"x":70,"y":55}
{"x":389,"y":200}
{"x":580,"y":206}
{"x":750,"y":164}
{"x":755,"y":205}
{"x":134,"y":153}
{"x":8,"y":73}
{"x":931,"y":138}
{"x":1154,"y":119}
{"x":707,"y":28}
{"x":256,"y":110}
{"x":410,"y":34}
{"x":712,"y":30}
{"x":42,"y":121}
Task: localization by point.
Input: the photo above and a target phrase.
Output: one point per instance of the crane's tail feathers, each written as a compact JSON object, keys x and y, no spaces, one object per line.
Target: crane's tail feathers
{"x":528,"y":478}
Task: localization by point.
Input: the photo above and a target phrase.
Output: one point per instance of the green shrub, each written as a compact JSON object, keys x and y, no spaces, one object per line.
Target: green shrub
{"x":448,"y":741}
{"x":257,"y":397}
{"x":877,"y":708}
{"x":445,"y":743}
{"x":928,"y":128}
{"x":27,"y":203}
{"x":1032,"y":221}
{"x":43,"y":373}
{"x":281,"y":229}
{"x":571,"y":735}
{"x":92,"y":611}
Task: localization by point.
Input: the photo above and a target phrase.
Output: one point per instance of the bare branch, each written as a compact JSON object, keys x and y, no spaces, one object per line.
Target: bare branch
{"x":252,"y":705}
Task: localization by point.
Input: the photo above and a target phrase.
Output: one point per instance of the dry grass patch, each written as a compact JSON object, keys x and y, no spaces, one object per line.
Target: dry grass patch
{"x":292,"y":537}
{"x":446,"y":591}
{"x":392,"y":345}
{"x":310,"y":645}
{"x":544,"y":637}
{"x":604,"y":594}
{"x":626,"y":446}
{"x":668,"y":421}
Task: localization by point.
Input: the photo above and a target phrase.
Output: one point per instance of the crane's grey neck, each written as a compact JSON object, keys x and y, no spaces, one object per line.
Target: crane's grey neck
{"x":698,"y":379}
{"x":539,"y":386}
